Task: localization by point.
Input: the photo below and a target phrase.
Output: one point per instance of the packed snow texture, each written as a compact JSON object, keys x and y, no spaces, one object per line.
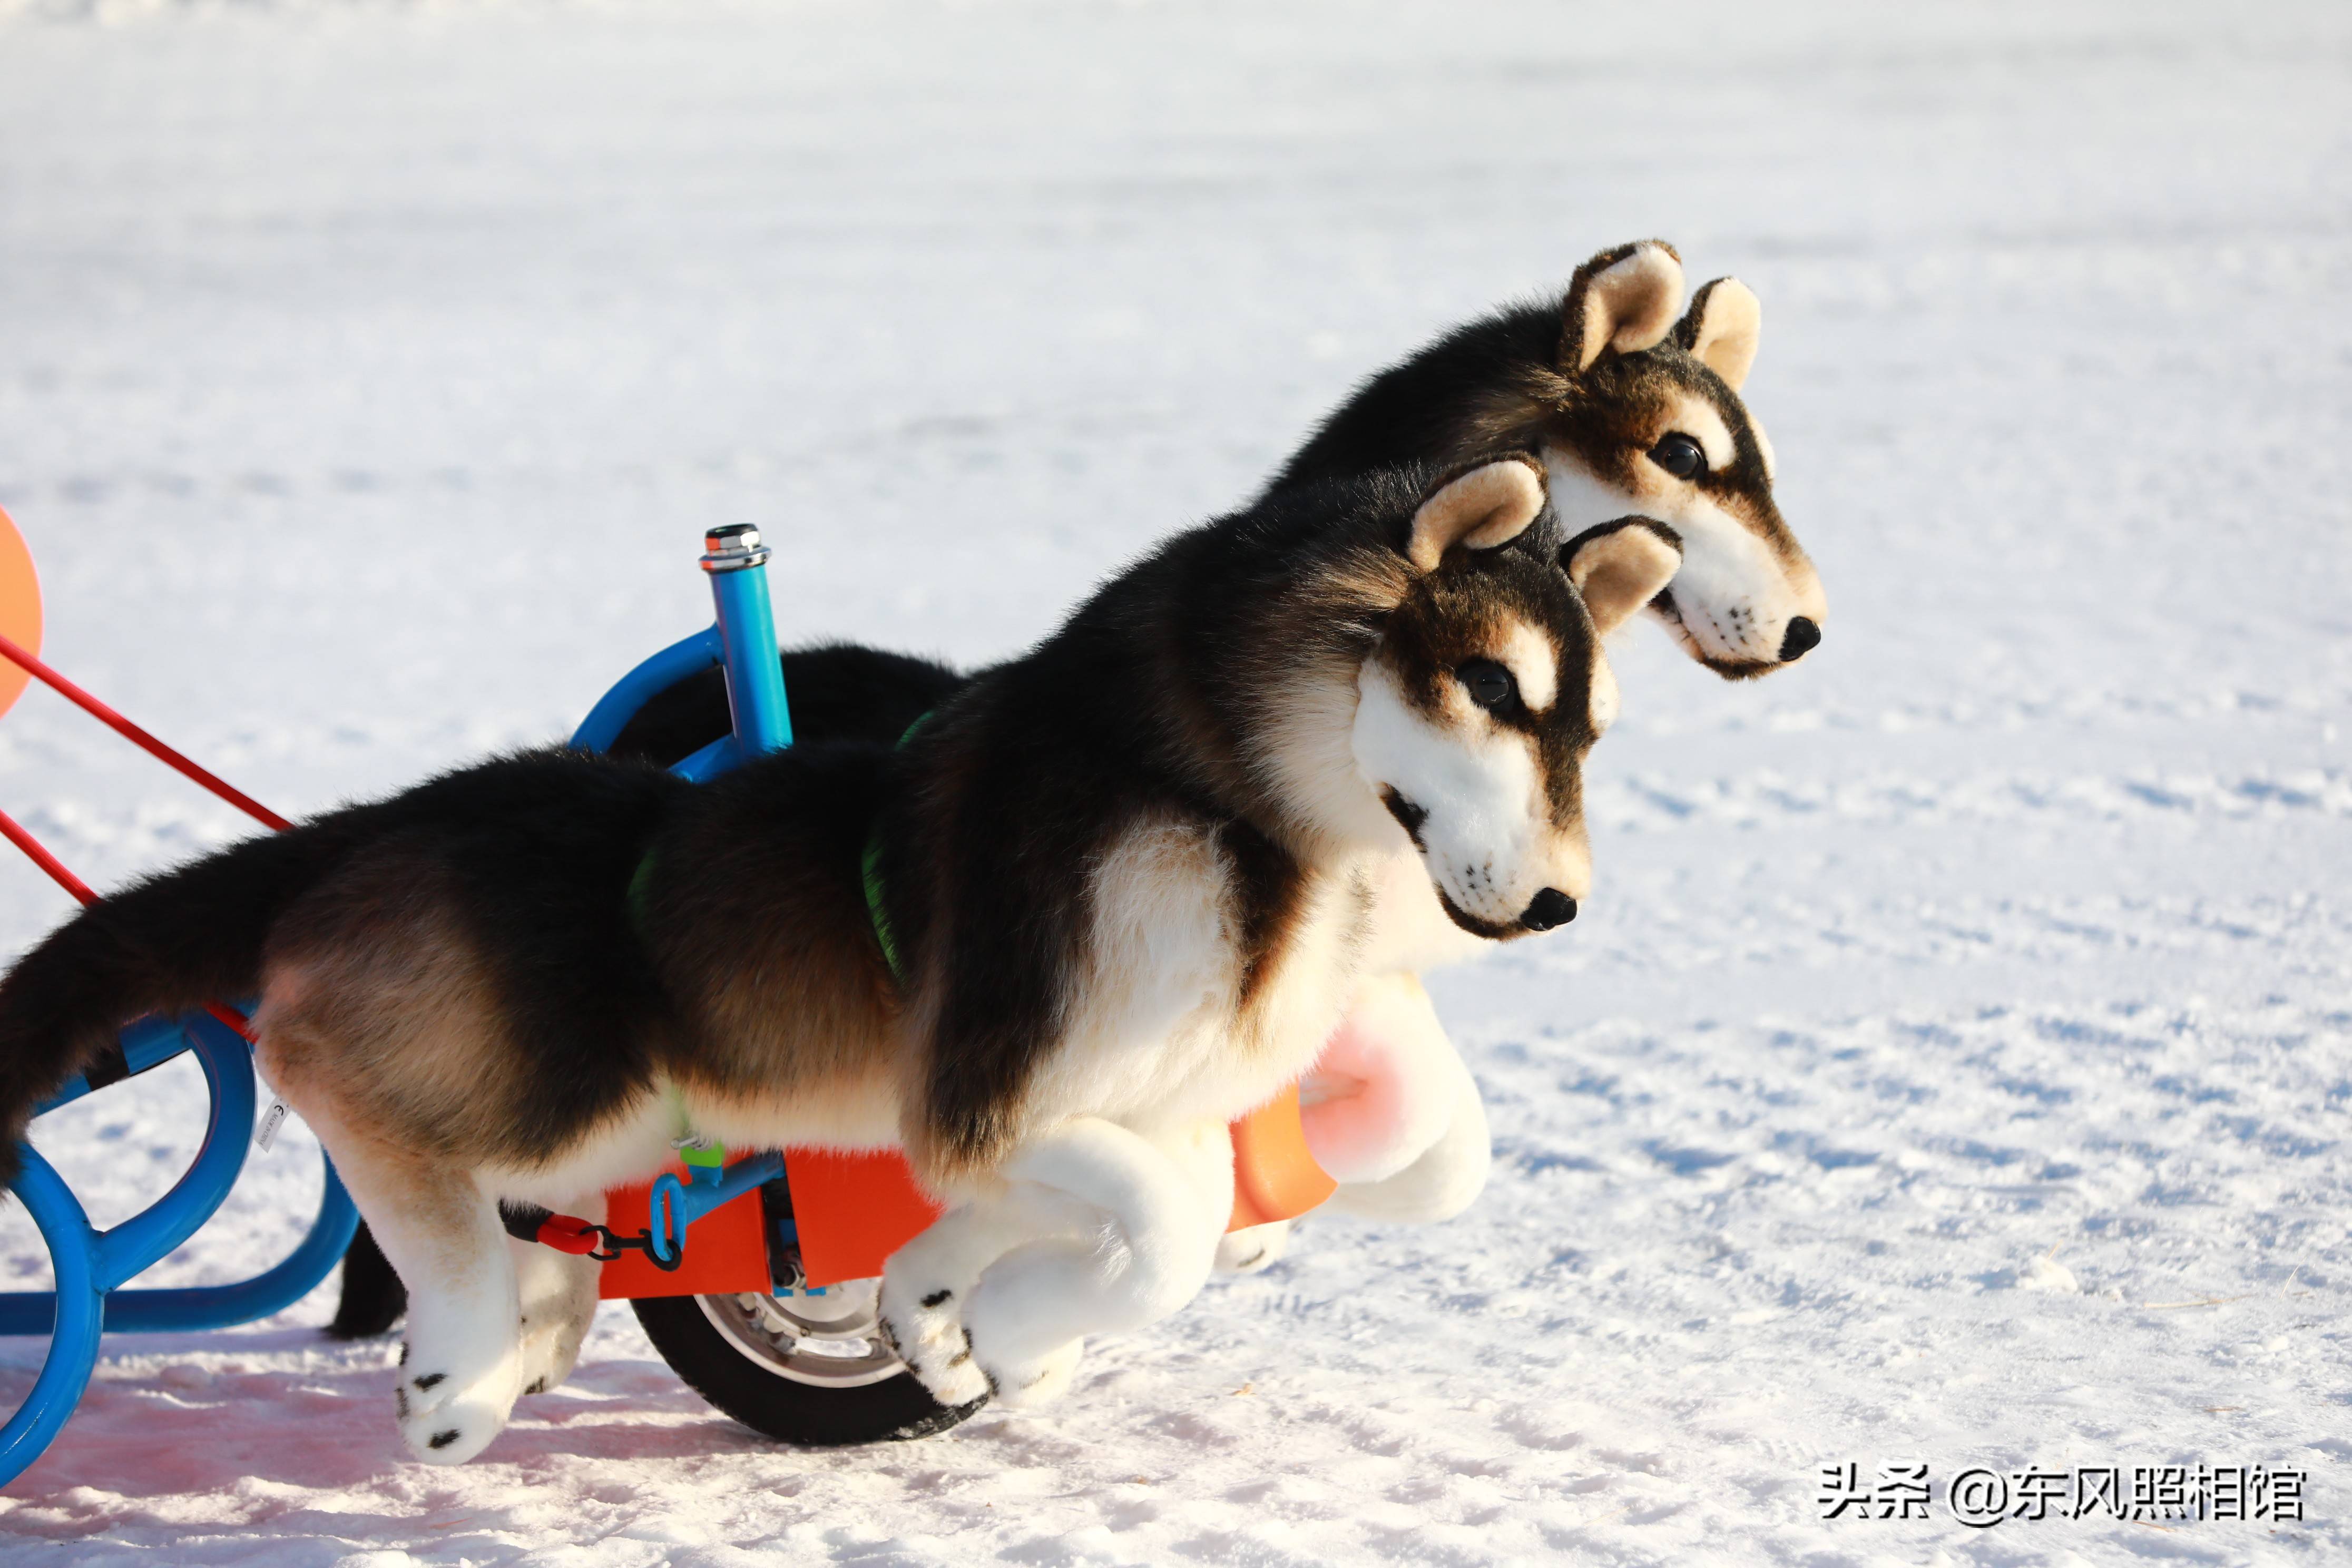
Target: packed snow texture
{"x":1950,"y":1065}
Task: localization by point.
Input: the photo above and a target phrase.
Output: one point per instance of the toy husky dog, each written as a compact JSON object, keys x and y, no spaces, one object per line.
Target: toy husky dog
{"x":1635,"y":411}
{"x":1127,"y":882}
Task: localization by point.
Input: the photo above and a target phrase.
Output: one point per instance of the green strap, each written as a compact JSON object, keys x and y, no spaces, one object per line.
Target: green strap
{"x":641,"y":892}
{"x":870,"y":863}
{"x":875,"y":908}
{"x":641,"y":883}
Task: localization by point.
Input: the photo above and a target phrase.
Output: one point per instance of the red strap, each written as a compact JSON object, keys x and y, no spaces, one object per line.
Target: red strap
{"x":567,"y":1233}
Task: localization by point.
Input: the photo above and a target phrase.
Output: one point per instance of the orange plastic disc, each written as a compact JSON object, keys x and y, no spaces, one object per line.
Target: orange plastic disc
{"x":20,"y":608}
{"x":1274,"y":1174}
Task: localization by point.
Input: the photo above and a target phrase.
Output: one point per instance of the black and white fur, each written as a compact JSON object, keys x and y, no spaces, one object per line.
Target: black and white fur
{"x":1131,"y":875}
{"x":1617,"y":387}
{"x":1599,"y":383}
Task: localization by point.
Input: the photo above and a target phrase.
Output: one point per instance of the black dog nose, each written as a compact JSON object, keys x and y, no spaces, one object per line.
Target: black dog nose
{"x":1552,"y":908}
{"x":1801,"y":637}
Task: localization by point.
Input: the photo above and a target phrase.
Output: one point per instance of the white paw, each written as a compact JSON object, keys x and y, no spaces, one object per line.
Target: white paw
{"x":447,"y":1415}
{"x":1024,"y":1385}
{"x":1259,"y":1246}
{"x":926,"y":1328}
{"x":549,"y":1350}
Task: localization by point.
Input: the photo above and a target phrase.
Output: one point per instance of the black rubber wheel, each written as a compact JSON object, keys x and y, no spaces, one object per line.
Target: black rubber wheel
{"x":762,"y":1393}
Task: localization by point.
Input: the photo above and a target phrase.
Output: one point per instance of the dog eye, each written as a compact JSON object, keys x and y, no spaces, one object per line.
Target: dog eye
{"x":1679,"y":455}
{"x":1490,"y":685}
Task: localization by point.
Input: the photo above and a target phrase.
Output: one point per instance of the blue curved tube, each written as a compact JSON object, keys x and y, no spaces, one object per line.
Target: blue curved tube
{"x":273,"y":1290}
{"x":74,"y":1309}
{"x":142,"y":1241}
{"x":150,"y":1042}
{"x":687,"y":656}
{"x":89,"y":1265}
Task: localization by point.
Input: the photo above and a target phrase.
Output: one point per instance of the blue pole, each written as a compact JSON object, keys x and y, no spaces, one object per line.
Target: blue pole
{"x":737,"y":563}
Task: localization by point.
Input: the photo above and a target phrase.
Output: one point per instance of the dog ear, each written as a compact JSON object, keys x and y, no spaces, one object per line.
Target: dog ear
{"x":1478,"y":508}
{"x":1623,"y":301}
{"x":1620,"y":566}
{"x":1720,"y":327}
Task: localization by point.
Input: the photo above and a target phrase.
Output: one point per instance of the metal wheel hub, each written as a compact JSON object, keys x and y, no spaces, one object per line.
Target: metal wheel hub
{"x":834,"y":1340}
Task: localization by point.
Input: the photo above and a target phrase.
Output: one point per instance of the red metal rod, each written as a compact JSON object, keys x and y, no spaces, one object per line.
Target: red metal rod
{"x":137,"y":737}
{"x":15,"y":833}
{"x":232,"y":1018}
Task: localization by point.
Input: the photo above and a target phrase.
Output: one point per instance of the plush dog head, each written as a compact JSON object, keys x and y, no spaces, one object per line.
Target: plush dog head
{"x":1487,"y":687}
{"x":1642,"y":416}
{"x":1636,"y":412}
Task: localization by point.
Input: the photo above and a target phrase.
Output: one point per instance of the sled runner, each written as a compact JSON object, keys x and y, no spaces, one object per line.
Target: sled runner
{"x":755,"y":1276}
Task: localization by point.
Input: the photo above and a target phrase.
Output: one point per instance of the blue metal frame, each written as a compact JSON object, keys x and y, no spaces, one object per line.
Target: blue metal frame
{"x":673,"y":1205}
{"x":91,"y":1266}
{"x":686,"y":658}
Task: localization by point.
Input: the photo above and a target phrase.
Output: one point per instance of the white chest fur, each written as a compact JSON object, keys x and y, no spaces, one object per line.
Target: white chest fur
{"x":1165,"y":1026}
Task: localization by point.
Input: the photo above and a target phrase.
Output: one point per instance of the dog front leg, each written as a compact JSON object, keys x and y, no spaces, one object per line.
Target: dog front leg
{"x":1253,"y":1248}
{"x":928,"y":1283}
{"x":1381,"y":1093}
{"x":1445,"y":1179}
{"x":1159,"y":1206}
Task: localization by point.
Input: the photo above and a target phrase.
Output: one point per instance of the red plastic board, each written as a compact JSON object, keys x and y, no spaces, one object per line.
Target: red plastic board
{"x":853,"y":1209}
{"x":726,"y":1250}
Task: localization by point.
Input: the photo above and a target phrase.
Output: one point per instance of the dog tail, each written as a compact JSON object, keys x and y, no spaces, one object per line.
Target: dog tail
{"x":168,"y":943}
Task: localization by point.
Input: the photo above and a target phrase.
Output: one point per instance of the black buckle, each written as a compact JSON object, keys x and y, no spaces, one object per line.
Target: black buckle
{"x":614,"y":1245}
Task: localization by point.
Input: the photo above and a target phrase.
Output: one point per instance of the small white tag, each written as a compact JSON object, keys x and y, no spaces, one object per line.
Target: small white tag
{"x":265,"y":1133}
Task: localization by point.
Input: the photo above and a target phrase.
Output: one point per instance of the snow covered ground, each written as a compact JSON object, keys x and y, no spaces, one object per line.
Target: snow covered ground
{"x":1951,"y":1066}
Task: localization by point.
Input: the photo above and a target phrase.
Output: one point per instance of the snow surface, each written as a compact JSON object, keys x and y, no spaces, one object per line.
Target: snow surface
{"x":1952,"y":1062}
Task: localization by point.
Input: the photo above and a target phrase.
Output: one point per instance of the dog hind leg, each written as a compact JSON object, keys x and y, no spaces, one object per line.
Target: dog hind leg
{"x":557,"y":1297}
{"x":461,"y":1366}
{"x":1382,"y":1094}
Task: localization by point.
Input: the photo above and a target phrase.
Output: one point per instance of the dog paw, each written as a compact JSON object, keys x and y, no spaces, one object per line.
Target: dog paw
{"x":1024,"y":1385}
{"x":1258,"y":1247}
{"x":927,"y":1333}
{"x":550,"y":1349}
{"x":447,"y":1418}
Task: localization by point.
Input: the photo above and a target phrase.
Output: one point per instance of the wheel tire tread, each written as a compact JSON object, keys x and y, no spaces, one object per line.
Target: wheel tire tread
{"x":895,"y":1410}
